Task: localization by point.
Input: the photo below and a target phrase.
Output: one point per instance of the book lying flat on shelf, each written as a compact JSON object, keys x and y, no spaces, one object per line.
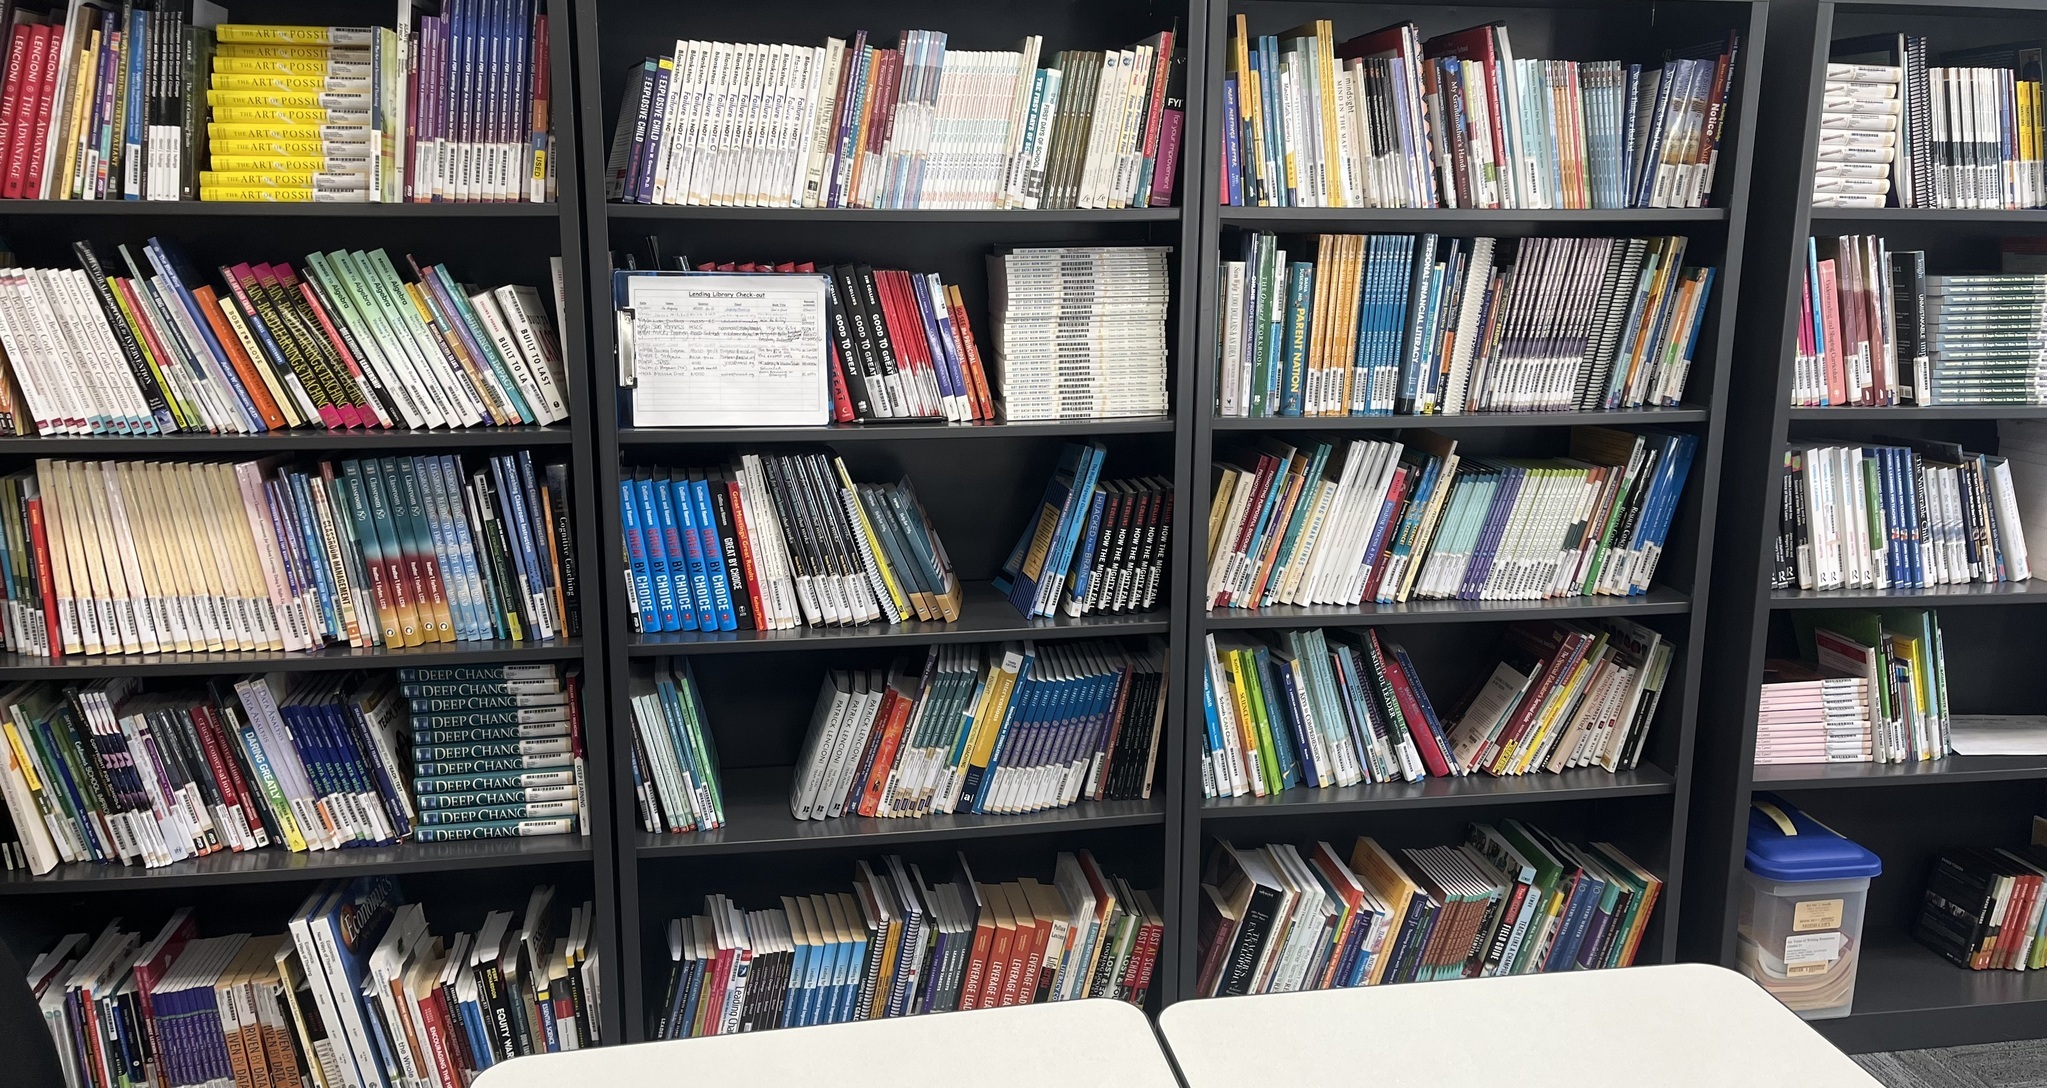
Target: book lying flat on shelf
{"x":1509,"y":900}
{"x":1870,"y":687}
{"x":899,"y":945}
{"x":356,"y":990}
{"x":1389,"y":120}
{"x":341,"y":342}
{"x":922,"y":125}
{"x":1080,"y":331}
{"x":1020,"y":727}
{"x":1423,"y":325}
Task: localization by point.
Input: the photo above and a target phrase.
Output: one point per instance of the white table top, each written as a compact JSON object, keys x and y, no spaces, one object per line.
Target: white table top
{"x":1680,"y":1026}
{"x":1070,"y":1044}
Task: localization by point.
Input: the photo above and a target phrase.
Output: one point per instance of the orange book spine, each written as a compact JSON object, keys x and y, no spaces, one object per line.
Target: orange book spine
{"x":885,"y":755}
{"x":245,"y":368}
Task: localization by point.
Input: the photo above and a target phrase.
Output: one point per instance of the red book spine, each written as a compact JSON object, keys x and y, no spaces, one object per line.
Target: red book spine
{"x":40,"y":539}
{"x":753,"y":581}
{"x":46,"y":105}
{"x":12,"y":109}
{"x":905,"y":330}
{"x":842,"y":399}
{"x":355,"y":413}
{"x":998,"y":960}
{"x":885,"y":757}
{"x":24,"y":96}
{"x":1411,"y":709}
{"x":977,"y":964}
{"x":970,"y":355}
{"x":218,"y":761}
{"x":1161,"y":64}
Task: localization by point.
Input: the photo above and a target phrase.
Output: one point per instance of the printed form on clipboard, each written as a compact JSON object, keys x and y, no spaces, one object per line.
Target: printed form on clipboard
{"x":717,"y":349}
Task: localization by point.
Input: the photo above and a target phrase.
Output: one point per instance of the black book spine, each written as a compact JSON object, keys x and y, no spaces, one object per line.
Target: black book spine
{"x":497,"y":1010}
{"x":1253,"y":927}
{"x":845,"y":352}
{"x":1785,"y":574}
{"x":870,"y":972}
{"x":798,"y":526}
{"x":557,"y":476}
{"x":892,"y":375}
{"x":845,"y":279}
{"x":1161,"y":547}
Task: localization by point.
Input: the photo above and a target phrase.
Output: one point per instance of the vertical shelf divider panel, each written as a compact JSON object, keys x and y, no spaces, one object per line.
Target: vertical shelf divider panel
{"x":1907,"y":996}
{"x":470,"y":237}
{"x":1664,"y":780}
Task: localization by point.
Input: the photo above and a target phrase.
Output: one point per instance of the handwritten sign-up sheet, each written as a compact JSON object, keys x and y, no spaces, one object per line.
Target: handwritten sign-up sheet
{"x":729,"y":351}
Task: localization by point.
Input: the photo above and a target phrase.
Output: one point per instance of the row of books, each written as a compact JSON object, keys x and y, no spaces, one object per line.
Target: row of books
{"x":899,"y":945}
{"x":109,"y":557}
{"x":341,"y":342}
{"x":676,"y":780}
{"x":496,"y":752}
{"x":901,"y":344}
{"x":1870,"y":686}
{"x":1390,"y":120}
{"x":1094,"y":546}
{"x":110,"y":771}
{"x":1508,"y":900}
{"x":1985,"y":908}
{"x":1900,"y":514}
{"x":1315,"y":709}
{"x":1010,"y":728}
{"x":1424,"y":325}
{"x":358,"y":992}
{"x":856,"y":125}
{"x":1895,"y":132}
{"x":1342,"y":522}
{"x":780,"y":540}
{"x":1080,"y":331}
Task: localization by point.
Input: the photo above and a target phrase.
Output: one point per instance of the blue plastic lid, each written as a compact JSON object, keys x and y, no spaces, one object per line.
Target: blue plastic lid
{"x":1786,"y":844}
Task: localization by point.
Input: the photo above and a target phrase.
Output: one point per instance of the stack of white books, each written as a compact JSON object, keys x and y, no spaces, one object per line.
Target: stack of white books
{"x":1080,"y":331}
{"x":1807,"y":716}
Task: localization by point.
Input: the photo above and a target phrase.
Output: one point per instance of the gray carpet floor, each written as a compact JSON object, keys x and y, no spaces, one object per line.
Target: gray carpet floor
{"x":1992,"y":1065}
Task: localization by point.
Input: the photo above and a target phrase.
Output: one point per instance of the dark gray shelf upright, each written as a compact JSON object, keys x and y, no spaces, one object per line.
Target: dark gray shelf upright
{"x":1643,"y":811}
{"x":1906,"y":996}
{"x":495,"y":243}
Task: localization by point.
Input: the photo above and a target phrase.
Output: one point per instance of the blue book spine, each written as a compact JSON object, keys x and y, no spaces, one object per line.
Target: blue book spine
{"x":1233,"y":155}
{"x":691,"y":543}
{"x":660,"y":555}
{"x":1298,"y":323}
{"x":132,"y":136}
{"x":1496,"y":514}
{"x":714,"y":555}
{"x":637,"y":558}
{"x":520,"y":527}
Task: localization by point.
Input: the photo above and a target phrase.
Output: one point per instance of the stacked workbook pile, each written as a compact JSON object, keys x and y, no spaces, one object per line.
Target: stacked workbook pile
{"x":306,"y":113}
{"x":1903,"y":514}
{"x":1342,"y":522}
{"x":1388,"y":120}
{"x":1419,"y":325}
{"x":856,"y":125}
{"x":1509,"y":900}
{"x":780,"y":540}
{"x":1019,"y":727}
{"x":343,"y":341}
{"x":497,"y":752}
{"x":357,"y":989}
{"x":1320,"y":709}
{"x":104,"y":771}
{"x":898,"y":945}
{"x":1898,"y":133}
{"x":1093,"y":545}
{"x":107,"y":557}
{"x":1896,"y":711}
{"x":1985,"y":908}
{"x":676,"y":778}
{"x":1080,"y":331}
{"x":1811,"y":715}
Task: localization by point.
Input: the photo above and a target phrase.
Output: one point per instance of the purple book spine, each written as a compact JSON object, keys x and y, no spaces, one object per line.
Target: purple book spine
{"x":1168,"y":171}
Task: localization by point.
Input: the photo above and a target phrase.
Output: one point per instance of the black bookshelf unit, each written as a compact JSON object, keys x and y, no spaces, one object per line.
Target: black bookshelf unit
{"x":978,"y":481}
{"x":1906,"y":995}
{"x":1644,"y":810}
{"x":458,"y":881}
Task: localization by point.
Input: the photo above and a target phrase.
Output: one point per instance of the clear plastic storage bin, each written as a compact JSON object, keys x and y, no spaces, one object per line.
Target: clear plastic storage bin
{"x":1801,"y":914}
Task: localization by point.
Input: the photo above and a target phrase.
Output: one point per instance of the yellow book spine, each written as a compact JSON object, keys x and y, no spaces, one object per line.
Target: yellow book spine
{"x":270,"y":131}
{"x":1332,"y":151}
{"x":81,"y":89}
{"x":330,"y":150}
{"x":352,"y":101}
{"x":287,"y":166}
{"x":290,"y":115}
{"x":258,"y":51}
{"x":280,"y":83}
{"x":278,"y":34}
{"x":323,"y":65}
{"x":283,"y":179}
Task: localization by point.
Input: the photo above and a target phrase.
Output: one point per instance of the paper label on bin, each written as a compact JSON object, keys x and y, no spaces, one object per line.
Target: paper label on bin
{"x":1811,"y":953}
{"x":1816,"y":914}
